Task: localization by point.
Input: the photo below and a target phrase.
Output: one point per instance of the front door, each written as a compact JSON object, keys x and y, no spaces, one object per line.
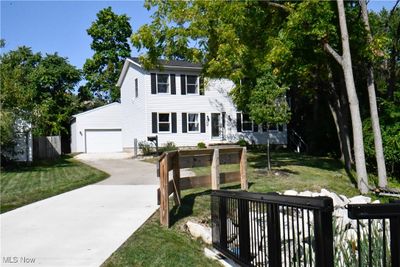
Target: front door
{"x":215,"y":125}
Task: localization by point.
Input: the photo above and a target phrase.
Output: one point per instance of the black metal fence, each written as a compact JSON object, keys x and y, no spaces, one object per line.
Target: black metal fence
{"x":257,"y":229}
{"x":378,"y":234}
{"x":272,"y":230}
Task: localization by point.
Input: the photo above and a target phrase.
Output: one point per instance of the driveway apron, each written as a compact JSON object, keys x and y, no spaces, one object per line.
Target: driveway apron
{"x":85,"y":226}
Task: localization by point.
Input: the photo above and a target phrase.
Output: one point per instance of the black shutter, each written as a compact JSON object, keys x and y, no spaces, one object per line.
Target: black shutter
{"x":154,"y":122}
{"x":183,"y":84}
{"x":255,"y":127}
{"x":238,"y":122}
{"x":173,"y":119}
{"x":153,"y":83}
{"x":173,"y":84}
{"x":201,"y":85}
{"x":202,"y":122}
{"x":184,"y":122}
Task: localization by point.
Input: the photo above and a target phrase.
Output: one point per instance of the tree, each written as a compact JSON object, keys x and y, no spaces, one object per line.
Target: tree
{"x":38,"y":90}
{"x":110,"y":33}
{"x":268,"y":105}
{"x":380,"y":159}
{"x":346,"y":63}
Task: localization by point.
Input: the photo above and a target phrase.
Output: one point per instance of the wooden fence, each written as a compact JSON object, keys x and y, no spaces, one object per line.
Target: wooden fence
{"x":46,"y":147}
{"x":172,"y":162}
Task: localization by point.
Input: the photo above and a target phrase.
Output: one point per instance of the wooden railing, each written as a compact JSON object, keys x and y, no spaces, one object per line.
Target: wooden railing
{"x":176,"y":160}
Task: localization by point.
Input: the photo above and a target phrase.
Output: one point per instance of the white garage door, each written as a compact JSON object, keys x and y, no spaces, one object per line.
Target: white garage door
{"x":103,"y":141}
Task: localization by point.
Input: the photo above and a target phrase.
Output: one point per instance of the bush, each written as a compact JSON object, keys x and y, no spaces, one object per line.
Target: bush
{"x":201,"y":145}
{"x":146,"y":148}
{"x":169,"y":146}
{"x":242,"y":142}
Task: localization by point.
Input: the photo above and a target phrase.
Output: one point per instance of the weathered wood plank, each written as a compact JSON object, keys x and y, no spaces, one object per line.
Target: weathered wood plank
{"x":196,"y":152}
{"x":243,"y":170}
{"x":215,"y":170}
{"x":176,"y":180}
{"x":205,"y":181}
{"x":164,"y":193}
{"x":195,"y":161}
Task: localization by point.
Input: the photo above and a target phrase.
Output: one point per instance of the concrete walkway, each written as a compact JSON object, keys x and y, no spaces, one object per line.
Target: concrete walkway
{"x":85,"y":226}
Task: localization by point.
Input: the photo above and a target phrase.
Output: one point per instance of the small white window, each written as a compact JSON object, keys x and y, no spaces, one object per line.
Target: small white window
{"x":162,"y":83}
{"x":164,"y":122}
{"x":192,"y":84}
{"x":193,"y":122}
{"x":136,"y":88}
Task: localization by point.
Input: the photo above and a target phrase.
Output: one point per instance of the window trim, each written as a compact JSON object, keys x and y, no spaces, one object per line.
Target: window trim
{"x":197,"y":92}
{"x":198,"y":122}
{"x":168,"y":84}
{"x":169,"y":122}
{"x":136,"y":88}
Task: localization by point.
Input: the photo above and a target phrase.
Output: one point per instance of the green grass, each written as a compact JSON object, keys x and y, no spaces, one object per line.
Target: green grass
{"x":22,"y":185}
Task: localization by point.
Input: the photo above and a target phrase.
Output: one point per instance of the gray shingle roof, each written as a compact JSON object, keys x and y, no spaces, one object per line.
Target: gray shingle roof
{"x":172,"y":63}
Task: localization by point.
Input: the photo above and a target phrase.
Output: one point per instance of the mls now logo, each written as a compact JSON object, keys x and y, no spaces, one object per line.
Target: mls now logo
{"x":10,"y":259}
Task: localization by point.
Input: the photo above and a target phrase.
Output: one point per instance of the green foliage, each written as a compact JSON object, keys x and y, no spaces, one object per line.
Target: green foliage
{"x":201,"y":145}
{"x":146,"y":148}
{"x":268,"y":101}
{"x":169,"y":146}
{"x":110,"y":33}
{"x":38,"y":89}
{"x":243,"y":142}
{"x":390,"y":128}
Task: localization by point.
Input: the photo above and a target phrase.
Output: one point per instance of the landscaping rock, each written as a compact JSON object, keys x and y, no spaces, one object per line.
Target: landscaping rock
{"x":198,"y":230}
{"x":337,"y":201}
{"x":360,"y":200}
{"x":345,"y":199}
{"x":290,"y":193}
{"x":306,"y":194}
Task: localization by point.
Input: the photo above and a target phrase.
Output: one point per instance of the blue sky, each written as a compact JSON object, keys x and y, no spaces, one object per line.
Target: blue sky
{"x":60,"y":26}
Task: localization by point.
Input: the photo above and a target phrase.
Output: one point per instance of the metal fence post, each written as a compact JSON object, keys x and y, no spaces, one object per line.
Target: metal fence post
{"x":274,"y":235}
{"x":324,"y":235}
{"x":244,"y":230}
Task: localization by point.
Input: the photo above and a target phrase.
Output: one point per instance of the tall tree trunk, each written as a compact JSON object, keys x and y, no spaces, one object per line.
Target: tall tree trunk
{"x":380,"y":159}
{"x":336,"y":109}
{"x":345,"y":62}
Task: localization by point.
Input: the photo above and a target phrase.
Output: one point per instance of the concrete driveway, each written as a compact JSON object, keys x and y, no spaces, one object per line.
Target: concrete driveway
{"x":85,"y":226}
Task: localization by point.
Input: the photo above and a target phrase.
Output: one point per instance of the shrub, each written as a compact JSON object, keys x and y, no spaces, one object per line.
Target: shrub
{"x":146,"y":148}
{"x":169,"y":146}
{"x":242,"y":142}
{"x":201,"y":145}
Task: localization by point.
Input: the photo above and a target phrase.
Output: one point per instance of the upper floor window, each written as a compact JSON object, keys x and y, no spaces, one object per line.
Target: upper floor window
{"x":193,"y":122}
{"x":191,"y":84}
{"x":136,"y":88}
{"x":162,"y":83}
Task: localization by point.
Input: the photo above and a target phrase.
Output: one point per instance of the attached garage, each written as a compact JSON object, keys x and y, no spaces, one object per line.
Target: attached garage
{"x":103,"y":141}
{"x":97,"y":130}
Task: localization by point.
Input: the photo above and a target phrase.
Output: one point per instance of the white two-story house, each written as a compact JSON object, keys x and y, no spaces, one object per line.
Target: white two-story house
{"x":175,"y":104}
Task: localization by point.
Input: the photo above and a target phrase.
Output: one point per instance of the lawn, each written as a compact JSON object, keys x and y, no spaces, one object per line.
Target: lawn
{"x":22,"y":185}
{"x":153,"y":245}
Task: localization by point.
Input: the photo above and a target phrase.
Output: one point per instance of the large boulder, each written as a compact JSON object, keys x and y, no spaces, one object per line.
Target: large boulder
{"x":337,"y":201}
{"x":290,"y":193}
{"x":360,"y":200}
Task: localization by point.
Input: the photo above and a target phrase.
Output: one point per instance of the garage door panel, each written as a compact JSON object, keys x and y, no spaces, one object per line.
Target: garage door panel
{"x":103,"y":141}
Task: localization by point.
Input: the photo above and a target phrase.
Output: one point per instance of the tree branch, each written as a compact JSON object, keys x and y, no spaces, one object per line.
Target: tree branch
{"x":333,"y":53}
{"x":288,"y":9}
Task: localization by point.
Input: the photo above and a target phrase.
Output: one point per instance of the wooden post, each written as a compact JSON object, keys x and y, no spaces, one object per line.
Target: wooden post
{"x":215,"y":170}
{"x":176,"y":179}
{"x":164,"y":205}
{"x":243,"y":170}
